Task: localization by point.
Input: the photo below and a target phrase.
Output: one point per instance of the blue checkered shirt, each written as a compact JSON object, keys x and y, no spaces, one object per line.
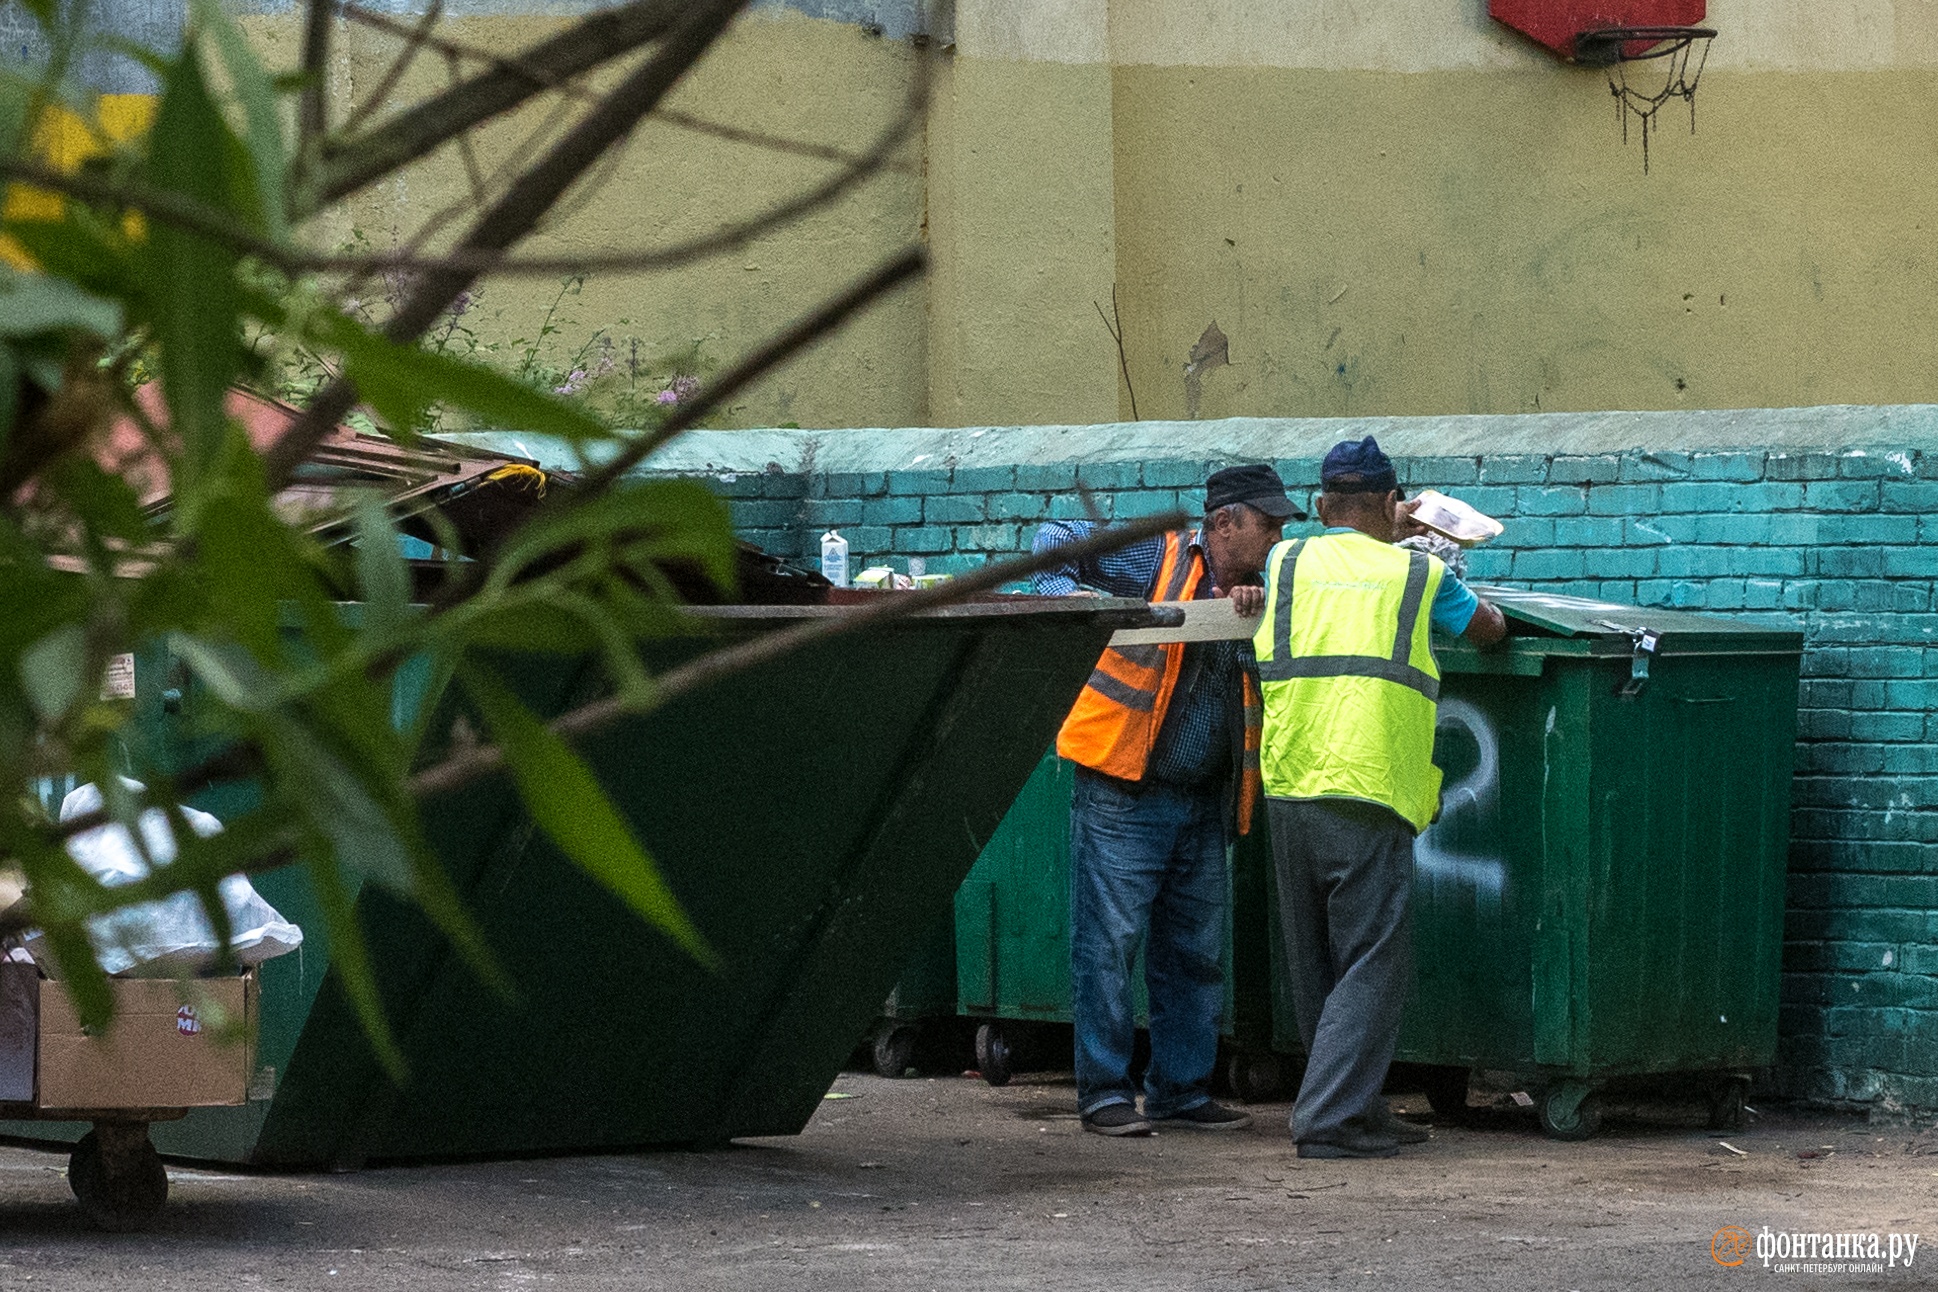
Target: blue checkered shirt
{"x":1194,"y":746}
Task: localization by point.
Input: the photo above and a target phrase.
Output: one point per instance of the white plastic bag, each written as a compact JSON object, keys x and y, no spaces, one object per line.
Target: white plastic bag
{"x":170,"y":937}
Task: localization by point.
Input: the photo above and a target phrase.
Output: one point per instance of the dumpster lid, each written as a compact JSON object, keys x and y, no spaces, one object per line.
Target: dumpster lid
{"x":1678,"y":631}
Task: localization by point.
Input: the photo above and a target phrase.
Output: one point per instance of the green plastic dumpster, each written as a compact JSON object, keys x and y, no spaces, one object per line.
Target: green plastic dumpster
{"x":923,"y":995}
{"x":1601,"y":897}
{"x":1012,"y":937}
{"x":813,"y":815}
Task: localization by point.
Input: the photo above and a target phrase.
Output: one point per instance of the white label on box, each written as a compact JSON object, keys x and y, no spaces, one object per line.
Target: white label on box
{"x":119,"y":681}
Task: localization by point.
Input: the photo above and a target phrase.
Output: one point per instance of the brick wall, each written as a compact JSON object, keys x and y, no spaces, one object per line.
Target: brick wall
{"x":1842,"y":543}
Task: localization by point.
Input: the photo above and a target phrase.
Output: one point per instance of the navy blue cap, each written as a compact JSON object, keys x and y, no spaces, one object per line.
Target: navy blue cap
{"x":1256,"y":486}
{"x":1359,"y":468}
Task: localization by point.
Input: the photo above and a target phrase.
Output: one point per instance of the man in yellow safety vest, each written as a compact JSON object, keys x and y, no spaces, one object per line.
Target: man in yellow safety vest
{"x":1349,"y":682}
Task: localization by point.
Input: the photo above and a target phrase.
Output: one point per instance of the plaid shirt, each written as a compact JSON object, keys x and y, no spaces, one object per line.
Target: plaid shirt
{"x":1194,"y":746}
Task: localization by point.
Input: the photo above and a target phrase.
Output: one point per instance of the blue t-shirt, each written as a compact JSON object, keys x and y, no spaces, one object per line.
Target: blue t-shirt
{"x":1453,"y":606}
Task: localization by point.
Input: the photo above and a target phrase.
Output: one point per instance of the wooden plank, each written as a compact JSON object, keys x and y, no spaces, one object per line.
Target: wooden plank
{"x":1212,"y":620}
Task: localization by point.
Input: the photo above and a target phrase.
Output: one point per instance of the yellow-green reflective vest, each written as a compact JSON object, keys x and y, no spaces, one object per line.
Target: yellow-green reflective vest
{"x":1350,"y":685}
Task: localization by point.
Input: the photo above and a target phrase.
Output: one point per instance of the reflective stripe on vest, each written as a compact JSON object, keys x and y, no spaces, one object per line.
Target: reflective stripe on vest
{"x":1349,"y":678}
{"x":1396,"y":667}
{"x":1114,"y":723}
{"x":1113,"y":726}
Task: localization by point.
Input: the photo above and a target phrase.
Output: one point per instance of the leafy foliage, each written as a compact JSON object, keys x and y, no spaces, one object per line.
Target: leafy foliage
{"x":164,"y":272}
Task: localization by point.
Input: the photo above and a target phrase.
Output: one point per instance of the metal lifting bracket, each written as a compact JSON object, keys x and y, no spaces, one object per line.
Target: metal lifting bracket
{"x":1644,"y":643}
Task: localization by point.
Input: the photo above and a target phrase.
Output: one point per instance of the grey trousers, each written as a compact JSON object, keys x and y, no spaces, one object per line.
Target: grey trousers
{"x":1345,"y":876}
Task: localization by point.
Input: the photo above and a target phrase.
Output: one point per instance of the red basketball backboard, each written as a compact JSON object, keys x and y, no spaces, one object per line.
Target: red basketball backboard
{"x":1556,"y":23}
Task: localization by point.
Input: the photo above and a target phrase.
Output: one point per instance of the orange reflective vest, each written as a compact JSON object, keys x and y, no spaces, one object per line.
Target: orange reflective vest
{"x":1114,"y":724}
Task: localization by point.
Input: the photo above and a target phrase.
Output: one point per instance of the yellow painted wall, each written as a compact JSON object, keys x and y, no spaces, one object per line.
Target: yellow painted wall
{"x":810,"y":80}
{"x":1400,"y":208}
{"x":1471,"y":242}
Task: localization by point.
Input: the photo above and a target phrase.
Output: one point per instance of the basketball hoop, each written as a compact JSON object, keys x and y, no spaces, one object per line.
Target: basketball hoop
{"x":1669,"y":46}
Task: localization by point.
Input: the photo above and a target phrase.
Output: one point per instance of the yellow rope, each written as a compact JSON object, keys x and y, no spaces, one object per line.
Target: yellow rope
{"x":530,"y":477}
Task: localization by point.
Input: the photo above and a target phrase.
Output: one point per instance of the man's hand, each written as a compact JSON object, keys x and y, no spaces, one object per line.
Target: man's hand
{"x":1488,"y":627}
{"x":1404,"y":526}
{"x":1247,"y":599}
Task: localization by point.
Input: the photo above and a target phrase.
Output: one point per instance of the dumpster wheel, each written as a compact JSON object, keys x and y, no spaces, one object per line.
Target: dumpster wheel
{"x":117,"y":1176}
{"x":1726,"y":1103}
{"x":1570,"y":1112}
{"x":1254,"y":1075}
{"x":992,"y":1055}
{"x":894,"y":1049}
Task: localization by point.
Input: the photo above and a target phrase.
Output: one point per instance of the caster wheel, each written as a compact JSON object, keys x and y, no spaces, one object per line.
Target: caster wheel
{"x":1570,"y":1113}
{"x":894,"y":1049}
{"x":1254,"y":1077}
{"x":992,"y":1055}
{"x":1446,"y":1090}
{"x":118,"y":1177}
{"x":1726,"y":1104}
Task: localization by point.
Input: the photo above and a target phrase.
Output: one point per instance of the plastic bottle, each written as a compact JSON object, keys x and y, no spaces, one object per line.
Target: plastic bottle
{"x":834,"y":559}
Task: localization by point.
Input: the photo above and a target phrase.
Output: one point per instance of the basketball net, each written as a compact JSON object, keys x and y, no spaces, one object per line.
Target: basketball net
{"x":1675,"y":53}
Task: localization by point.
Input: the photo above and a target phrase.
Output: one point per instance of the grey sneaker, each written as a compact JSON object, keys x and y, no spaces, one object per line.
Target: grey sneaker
{"x":1206,"y":1116}
{"x":1117,"y":1119}
{"x":1350,"y":1142}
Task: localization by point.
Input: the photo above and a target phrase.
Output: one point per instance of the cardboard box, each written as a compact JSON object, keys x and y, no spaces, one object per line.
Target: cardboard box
{"x":174,"y":1043}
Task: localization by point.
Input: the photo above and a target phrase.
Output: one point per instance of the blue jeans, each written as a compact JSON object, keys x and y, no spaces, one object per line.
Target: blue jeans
{"x":1146,"y":865}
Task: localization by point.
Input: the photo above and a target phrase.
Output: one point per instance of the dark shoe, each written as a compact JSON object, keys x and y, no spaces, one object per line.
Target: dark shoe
{"x":1117,"y":1119}
{"x":1206,"y":1116}
{"x":1384,"y":1121}
{"x":1350,"y":1142}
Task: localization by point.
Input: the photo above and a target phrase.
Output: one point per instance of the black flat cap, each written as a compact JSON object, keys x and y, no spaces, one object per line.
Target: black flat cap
{"x":1256,"y":486}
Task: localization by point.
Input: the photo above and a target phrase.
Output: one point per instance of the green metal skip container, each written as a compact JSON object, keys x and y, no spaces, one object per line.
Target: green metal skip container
{"x":813,"y":816}
{"x":1601,"y":897}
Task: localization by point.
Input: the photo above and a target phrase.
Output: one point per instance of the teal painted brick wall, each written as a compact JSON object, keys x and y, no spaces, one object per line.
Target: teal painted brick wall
{"x":1842,"y":545}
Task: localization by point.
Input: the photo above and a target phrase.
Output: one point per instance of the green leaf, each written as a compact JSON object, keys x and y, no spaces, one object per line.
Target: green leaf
{"x":107,"y":503}
{"x":81,"y":974}
{"x":53,"y":671}
{"x":361,"y":835}
{"x":36,"y":303}
{"x":568,"y":803}
{"x":381,"y":572}
{"x":370,"y":828}
{"x":401,"y":381}
{"x":350,"y":958}
{"x":80,"y":248}
{"x":230,"y":672}
{"x":261,"y":113}
{"x":192,"y":285}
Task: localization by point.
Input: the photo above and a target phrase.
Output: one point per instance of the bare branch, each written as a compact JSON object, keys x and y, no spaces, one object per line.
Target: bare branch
{"x":771,"y":142}
{"x":518,"y":212}
{"x":419,"y":35}
{"x":714,"y":666}
{"x":313,"y":112}
{"x":595,"y":39}
{"x":743,"y":374}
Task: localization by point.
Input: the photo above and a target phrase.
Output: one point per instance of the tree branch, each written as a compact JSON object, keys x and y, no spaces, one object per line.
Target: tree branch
{"x":518,"y":212}
{"x":598,"y":38}
{"x":743,"y":374}
{"x":313,"y":110}
{"x":420,"y":34}
{"x":714,"y":666}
